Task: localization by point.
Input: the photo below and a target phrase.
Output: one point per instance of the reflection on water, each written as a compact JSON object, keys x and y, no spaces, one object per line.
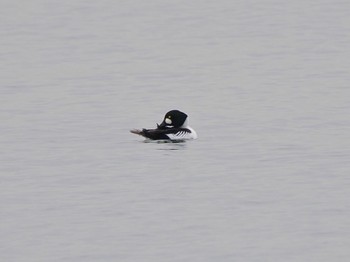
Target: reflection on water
{"x":168,"y":144}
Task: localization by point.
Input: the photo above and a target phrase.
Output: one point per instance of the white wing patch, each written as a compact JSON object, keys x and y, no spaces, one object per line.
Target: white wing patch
{"x":182,"y":135}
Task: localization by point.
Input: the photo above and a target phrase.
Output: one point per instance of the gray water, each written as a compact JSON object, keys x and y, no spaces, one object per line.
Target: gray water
{"x":266,"y":87}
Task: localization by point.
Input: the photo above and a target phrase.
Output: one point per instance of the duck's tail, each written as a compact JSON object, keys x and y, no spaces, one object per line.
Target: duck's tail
{"x":138,"y":132}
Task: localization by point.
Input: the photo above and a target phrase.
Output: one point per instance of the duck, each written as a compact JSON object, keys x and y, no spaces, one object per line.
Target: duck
{"x":174,"y":127}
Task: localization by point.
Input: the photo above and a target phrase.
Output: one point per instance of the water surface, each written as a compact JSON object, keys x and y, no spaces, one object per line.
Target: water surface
{"x":266,"y":87}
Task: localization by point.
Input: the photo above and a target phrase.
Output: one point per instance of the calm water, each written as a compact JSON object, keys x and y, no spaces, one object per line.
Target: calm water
{"x":266,"y":86}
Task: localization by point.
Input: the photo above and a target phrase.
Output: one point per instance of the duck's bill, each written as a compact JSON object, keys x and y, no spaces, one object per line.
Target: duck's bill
{"x":162,"y":125}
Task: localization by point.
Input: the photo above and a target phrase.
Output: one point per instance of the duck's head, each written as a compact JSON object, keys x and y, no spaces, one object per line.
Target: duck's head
{"x":174,"y":119}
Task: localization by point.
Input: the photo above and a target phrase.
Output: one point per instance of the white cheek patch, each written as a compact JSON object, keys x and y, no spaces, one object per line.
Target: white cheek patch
{"x":168,"y":121}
